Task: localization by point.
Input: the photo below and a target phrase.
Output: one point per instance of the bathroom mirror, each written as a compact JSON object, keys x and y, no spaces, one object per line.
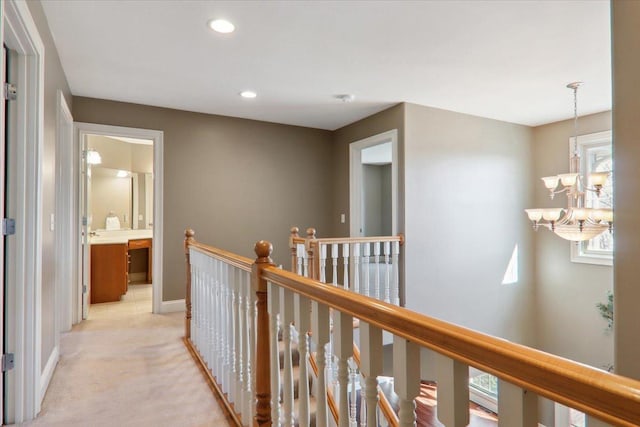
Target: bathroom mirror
{"x":124,"y":194}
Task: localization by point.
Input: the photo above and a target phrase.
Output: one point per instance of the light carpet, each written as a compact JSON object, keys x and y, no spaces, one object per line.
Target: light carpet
{"x":125,"y":366}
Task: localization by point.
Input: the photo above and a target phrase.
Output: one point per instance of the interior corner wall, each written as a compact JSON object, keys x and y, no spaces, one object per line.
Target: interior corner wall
{"x":467,"y":181}
{"x":626,"y":157}
{"x":569,"y":324}
{"x":54,"y":80}
{"x":234,"y":181}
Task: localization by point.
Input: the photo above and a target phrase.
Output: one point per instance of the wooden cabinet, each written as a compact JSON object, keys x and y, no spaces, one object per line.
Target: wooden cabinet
{"x":143,"y":244}
{"x":109,"y":272}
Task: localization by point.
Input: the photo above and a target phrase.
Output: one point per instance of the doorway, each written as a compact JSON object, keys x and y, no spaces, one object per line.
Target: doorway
{"x":120,"y":213}
{"x":373,"y":185}
{"x":22,"y":138}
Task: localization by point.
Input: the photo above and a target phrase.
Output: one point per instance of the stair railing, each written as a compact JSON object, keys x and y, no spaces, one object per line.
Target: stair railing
{"x":523,"y":373}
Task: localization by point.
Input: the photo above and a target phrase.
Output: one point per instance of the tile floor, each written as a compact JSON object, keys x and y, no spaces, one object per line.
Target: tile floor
{"x":126,"y":367}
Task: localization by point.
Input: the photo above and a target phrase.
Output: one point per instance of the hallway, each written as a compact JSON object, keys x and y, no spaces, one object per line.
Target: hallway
{"x":125,"y":366}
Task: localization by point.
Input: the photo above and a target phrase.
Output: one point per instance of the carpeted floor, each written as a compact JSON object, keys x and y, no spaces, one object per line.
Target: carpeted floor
{"x":125,"y":366}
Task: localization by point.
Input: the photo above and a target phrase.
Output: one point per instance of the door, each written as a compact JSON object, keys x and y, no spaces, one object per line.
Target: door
{"x":8,"y":211}
{"x":85,"y":226}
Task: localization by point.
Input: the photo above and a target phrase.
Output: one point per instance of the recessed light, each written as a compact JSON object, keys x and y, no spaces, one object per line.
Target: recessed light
{"x":248,"y":94}
{"x":221,"y":26}
{"x":122,"y":174}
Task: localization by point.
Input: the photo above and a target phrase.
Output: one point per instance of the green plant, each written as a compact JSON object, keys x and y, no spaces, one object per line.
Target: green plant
{"x":606,"y":310}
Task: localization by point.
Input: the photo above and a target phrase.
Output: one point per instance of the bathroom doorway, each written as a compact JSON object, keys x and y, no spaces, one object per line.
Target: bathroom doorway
{"x":120,"y":201}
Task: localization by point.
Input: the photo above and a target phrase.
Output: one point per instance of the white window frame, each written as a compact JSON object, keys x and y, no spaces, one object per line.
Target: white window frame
{"x":579,"y":252}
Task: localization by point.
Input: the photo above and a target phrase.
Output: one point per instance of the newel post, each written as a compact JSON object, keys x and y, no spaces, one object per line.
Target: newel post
{"x":310,"y":243}
{"x":188,"y":239}
{"x":263,"y":251}
{"x":294,"y":248}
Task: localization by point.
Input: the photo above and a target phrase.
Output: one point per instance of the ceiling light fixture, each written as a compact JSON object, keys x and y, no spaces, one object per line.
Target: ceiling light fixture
{"x":346,"y":97}
{"x":93,"y":157}
{"x":248,"y":94}
{"x":577,"y":222}
{"x":221,"y":26}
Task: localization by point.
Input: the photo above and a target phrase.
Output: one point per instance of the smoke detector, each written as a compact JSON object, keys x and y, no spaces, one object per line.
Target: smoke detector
{"x":346,"y":97}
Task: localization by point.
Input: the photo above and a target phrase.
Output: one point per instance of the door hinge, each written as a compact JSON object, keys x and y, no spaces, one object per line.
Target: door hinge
{"x":8,"y":226}
{"x":7,"y":362}
{"x":84,"y":289}
{"x":10,"y":92}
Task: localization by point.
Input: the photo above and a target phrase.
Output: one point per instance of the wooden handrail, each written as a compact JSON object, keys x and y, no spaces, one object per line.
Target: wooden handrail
{"x":331,"y":240}
{"x":239,"y":261}
{"x":611,"y":398}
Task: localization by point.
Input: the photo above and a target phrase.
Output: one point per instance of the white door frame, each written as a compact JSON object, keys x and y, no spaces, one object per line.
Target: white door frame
{"x":84,"y":129}
{"x":66,"y":218}
{"x":19,"y":33}
{"x":355,"y":180}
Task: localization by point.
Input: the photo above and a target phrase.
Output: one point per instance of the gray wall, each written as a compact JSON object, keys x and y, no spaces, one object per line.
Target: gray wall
{"x":626,"y":157}
{"x":568,"y":322}
{"x":234,"y":181}
{"x":391,"y":118}
{"x":375,"y":200}
{"x":467,"y":181}
{"x":54,"y":80}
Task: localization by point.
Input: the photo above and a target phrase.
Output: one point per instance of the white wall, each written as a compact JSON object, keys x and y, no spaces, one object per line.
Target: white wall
{"x":467,"y":181}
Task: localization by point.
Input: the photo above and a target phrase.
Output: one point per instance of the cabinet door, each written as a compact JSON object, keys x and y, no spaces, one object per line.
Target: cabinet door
{"x":108,"y":272}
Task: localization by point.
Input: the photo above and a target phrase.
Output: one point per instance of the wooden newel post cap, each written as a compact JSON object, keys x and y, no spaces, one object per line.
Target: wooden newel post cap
{"x":295,"y":231}
{"x":189,"y":233}
{"x":263,"y":251}
{"x":311,"y":233}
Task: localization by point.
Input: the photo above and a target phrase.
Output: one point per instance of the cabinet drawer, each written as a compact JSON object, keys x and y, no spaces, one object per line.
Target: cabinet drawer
{"x":139,"y":243}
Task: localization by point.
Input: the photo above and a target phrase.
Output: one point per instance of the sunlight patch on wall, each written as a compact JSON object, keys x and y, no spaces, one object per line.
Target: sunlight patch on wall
{"x":511,"y":274}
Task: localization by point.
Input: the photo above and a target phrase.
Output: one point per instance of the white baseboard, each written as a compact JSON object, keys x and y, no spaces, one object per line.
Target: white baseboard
{"x":47,"y":373}
{"x":172,"y":306}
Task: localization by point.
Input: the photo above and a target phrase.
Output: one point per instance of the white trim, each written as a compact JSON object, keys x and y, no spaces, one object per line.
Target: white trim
{"x":47,"y":372}
{"x":578,"y":255}
{"x":21,"y":34}
{"x":355,"y":179}
{"x":65,"y":219}
{"x":158,"y":183}
{"x":172,"y":306}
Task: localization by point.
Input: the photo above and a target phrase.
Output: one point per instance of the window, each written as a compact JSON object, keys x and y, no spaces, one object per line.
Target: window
{"x":595,"y":156}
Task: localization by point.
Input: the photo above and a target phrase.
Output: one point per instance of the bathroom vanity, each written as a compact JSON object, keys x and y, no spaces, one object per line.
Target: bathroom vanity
{"x":110,"y":261}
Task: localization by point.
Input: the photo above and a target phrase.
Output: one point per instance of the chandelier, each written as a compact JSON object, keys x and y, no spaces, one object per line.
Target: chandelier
{"x":576,"y":222}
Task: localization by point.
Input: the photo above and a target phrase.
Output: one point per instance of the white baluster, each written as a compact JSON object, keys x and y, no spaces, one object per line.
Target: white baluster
{"x":334,"y":261}
{"x":366,"y":290}
{"x":320,"y":336}
{"x":453,"y":391}
{"x":237,"y":339}
{"x":343,"y":334}
{"x":253,"y":340}
{"x":363,"y":402}
{"x":323,"y":263}
{"x":517,"y":407}
{"x":274,"y":309}
{"x":371,"y":367}
{"x":406,"y":378}
{"x":395,"y":287}
{"x":376,"y":260}
{"x":302,"y":313}
{"x":356,"y":267}
{"x":300,"y":255}
{"x":387,"y":275}
{"x":345,"y":263}
{"x":286,"y":315}
{"x":353,"y":401}
{"x":247,"y":346}
{"x":219,"y":322}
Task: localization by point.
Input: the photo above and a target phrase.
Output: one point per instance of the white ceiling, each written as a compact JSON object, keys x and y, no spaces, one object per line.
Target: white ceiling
{"x":508,"y":60}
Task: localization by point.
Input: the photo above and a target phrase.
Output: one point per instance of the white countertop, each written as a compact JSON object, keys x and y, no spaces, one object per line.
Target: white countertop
{"x":104,"y":237}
